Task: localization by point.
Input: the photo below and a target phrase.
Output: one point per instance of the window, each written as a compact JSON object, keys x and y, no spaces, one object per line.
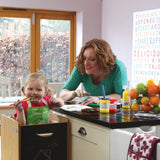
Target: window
{"x":32,"y":40}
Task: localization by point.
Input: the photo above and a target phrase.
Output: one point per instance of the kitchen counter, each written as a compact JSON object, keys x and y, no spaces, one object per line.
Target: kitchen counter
{"x":104,"y":133}
{"x":113,"y":121}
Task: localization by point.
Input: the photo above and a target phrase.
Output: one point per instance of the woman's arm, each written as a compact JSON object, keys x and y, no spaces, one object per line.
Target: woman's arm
{"x":68,"y":90}
{"x":67,"y":95}
{"x":95,"y":99}
{"x":114,"y":96}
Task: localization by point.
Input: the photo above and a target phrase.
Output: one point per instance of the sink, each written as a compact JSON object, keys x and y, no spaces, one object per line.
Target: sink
{"x":120,"y":138}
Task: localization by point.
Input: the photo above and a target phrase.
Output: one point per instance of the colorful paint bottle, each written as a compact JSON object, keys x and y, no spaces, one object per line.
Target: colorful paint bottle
{"x":104,"y":105}
{"x":126,"y":104}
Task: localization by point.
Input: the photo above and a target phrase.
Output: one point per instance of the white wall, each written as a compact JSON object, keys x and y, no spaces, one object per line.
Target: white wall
{"x":117,"y":20}
{"x":89,"y":14}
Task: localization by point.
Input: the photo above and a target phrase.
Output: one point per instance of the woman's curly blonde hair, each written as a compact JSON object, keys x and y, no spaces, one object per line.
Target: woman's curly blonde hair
{"x":105,"y":56}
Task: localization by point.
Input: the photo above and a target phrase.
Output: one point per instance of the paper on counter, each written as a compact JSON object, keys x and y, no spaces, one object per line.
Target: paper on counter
{"x":75,"y":107}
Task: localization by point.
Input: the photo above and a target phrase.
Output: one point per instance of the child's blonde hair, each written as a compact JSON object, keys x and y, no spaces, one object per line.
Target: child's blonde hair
{"x":40,"y":76}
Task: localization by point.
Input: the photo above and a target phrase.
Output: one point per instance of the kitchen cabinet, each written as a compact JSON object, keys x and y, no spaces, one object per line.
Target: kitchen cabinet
{"x":122,"y":138}
{"x":88,"y":140}
{"x":94,"y":137}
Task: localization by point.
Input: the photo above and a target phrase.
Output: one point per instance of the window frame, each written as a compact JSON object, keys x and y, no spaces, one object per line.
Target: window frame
{"x":35,"y":15}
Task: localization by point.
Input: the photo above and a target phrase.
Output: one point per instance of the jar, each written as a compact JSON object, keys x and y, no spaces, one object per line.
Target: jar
{"x":113,"y":106}
{"x":104,"y":105}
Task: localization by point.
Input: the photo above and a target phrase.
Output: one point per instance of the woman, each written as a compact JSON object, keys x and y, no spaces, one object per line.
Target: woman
{"x":96,"y":66}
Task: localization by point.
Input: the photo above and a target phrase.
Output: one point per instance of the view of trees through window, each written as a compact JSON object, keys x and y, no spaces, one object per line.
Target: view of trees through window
{"x":15,"y":50}
{"x":55,"y":40}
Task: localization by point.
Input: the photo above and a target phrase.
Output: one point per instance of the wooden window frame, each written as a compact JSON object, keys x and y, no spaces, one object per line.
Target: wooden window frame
{"x":36,"y":14}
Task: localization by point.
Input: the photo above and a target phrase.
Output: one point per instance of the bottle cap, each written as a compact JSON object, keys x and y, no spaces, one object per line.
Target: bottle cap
{"x":104,"y":101}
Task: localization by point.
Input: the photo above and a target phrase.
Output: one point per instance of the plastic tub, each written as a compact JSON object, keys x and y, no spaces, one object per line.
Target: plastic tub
{"x":113,"y":106}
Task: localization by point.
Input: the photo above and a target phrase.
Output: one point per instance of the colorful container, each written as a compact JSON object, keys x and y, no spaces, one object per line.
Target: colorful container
{"x":104,"y":105}
{"x":113,"y":106}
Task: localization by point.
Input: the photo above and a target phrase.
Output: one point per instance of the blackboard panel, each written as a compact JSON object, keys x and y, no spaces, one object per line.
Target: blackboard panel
{"x":44,"y":142}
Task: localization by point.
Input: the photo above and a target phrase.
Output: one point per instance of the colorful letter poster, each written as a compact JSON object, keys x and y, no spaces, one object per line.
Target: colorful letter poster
{"x":146,"y":46}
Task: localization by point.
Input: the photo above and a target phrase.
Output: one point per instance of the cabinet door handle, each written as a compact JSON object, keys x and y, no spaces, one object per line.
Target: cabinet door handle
{"x":82,"y":131}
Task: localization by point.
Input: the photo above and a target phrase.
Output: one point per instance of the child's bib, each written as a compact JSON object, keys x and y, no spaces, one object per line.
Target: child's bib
{"x":37,"y":115}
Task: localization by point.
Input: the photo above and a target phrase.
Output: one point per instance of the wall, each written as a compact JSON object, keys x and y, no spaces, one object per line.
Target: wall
{"x":117,"y":20}
{"x":110,"y":19}
{"x":89,"y":14}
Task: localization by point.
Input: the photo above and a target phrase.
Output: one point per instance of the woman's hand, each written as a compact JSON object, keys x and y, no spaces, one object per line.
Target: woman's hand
{"x":80,"y":93}
{"x":90,"y":99}
{"x":68,"y":95}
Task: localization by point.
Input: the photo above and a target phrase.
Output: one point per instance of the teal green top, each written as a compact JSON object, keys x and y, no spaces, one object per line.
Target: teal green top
{"x":113,"y":83}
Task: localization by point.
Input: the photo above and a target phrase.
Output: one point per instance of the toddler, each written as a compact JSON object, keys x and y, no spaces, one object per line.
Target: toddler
{"x":36,"y":110}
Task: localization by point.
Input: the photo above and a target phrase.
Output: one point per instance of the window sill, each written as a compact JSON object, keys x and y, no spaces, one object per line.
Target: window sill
{"x":5,"y":102}
{"x":6,"y":106}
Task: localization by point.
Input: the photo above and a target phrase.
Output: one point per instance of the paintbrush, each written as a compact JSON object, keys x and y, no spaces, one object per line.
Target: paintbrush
{"x":27,"y":99}
{"x":24,"y":100}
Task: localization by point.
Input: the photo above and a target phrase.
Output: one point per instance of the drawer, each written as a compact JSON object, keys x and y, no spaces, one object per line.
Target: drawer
{"x":89,"y":131}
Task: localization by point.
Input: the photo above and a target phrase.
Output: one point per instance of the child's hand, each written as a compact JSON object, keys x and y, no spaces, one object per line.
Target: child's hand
{"x":53,"y":100}
{"x":18,"y":105}
{"x":57,"y":101}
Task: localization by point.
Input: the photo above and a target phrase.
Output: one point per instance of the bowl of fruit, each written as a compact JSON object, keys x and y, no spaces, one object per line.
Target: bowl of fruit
{"x":145,"y":97}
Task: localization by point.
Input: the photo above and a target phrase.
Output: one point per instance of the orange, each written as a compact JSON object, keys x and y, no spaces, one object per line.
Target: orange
{"x":135,"y":107}
{"x":154,"y":100}
{"x":152,"y":89}
{"x":145,"y":100}
{"x":150,"y":81}
{"x":146,"y":107}
{"x":159,"y":85}
{"x":133,"y":94}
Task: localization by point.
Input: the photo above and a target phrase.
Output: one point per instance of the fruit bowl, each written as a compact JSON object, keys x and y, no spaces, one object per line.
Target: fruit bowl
{"x":145,"y":97}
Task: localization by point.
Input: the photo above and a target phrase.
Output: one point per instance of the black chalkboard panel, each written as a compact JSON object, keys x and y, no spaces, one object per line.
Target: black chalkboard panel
{"x":44,"y":142}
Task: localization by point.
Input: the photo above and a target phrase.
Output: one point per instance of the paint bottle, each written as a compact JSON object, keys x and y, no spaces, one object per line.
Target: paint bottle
{"x":104,"y":105}
{"x":126,"y":103}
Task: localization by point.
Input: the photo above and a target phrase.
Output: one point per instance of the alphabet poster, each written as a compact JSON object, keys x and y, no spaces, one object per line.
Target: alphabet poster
{"x":146,"y":46}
